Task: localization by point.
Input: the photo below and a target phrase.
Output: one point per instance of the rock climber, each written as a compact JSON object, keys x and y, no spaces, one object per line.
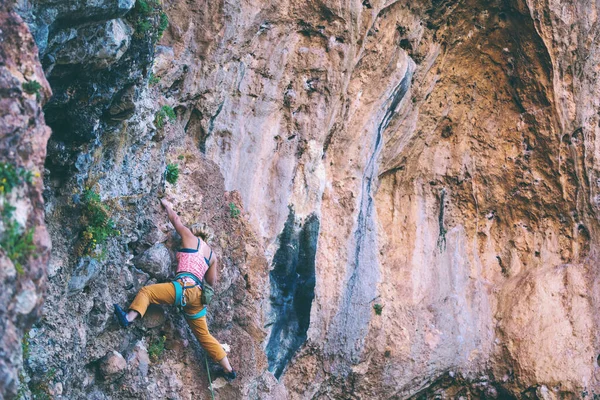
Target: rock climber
{"x":196,"y":264}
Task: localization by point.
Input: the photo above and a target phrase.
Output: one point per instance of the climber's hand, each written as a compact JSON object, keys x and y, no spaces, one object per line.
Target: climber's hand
{"x":166,"y":203}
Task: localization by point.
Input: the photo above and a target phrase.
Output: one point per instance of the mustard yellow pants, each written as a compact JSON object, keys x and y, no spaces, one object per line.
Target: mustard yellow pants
{"x":164,"y":293}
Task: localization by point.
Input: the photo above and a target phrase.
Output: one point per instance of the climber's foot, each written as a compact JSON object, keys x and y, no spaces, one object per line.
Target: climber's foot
{"x":121,"y":316}
{"x":229,"y":376}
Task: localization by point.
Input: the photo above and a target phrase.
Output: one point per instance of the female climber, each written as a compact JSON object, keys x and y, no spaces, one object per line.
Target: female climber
{"x":196,"y":264}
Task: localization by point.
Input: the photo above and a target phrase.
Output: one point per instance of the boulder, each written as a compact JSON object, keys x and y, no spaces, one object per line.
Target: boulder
{"x":97,"y":45}
{"x":112,"y":366}
{"x":156,"y":261}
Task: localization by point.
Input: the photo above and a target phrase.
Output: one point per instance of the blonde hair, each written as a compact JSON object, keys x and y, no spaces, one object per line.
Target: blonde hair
{"x":203,"y":230}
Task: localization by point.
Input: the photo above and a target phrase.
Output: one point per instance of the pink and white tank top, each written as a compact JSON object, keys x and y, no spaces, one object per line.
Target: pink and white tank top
{"x":192,"y":261}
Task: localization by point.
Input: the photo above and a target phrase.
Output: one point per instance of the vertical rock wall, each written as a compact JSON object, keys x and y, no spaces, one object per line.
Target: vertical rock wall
{"x":24,"y":241}
{"x":417,"y":187}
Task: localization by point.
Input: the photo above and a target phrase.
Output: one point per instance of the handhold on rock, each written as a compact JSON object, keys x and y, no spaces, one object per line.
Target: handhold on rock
{"x":156,"y":261}
{"x":85,"y":271}
{"x":112,"y":366}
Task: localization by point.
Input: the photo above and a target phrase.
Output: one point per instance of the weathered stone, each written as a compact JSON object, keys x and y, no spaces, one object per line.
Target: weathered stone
{"x":86,"y":270}
{"x":156,"y":261}
{"x":112,"y":366}
{"x":23,"y":136}
{"x":96,"y":46}
{"x":138,"y":359}
{"x":440,"y":161}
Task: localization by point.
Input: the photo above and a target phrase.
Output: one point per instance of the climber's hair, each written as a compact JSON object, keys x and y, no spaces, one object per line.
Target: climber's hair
{"x":202,"y":230}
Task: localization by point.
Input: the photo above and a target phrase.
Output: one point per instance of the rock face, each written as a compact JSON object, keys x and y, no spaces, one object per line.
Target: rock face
{"x":403,"y":197}
{"x":24,"y":241}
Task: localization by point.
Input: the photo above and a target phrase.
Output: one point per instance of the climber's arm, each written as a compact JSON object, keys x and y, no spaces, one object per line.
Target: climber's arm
{"x":211,"y":274}
{"x":187,"y":237}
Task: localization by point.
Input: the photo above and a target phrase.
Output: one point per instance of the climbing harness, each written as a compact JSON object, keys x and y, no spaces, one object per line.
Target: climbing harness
{"x":180,"y":293}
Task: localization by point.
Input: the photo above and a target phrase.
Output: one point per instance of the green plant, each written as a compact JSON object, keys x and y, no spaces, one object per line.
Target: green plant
{"x":378,"y":308}
{"x":163,"y":24}
{"x":166,"y":112}
{"x":180,"y":157}
{"x":143,"y":27}
{"x":144,"y":7}
{"x":17,"y":244}
{"x":153,"y":79}
{"x":11,"y":177}
{"x":172,"y":173}
{"x":97,"y":223}
{"x":32,"y":87}
{"x":40,"y":390}
{"x":234,"y":212}
{"x":157,"y":348}
{"x":25,"y":346}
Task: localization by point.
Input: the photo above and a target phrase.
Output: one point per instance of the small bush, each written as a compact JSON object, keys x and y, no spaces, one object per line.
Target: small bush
{"x":163,"y":24}
{"x":17,"y":245}
{"x":153,"y":79}
{"x":95,"y":218}
{"x":378,"y":308}
{"x":32,"y":87}
{"x":144,"y":7}
{"x":172,"y":173}
{"x":166,"y":113}
{"x":157,"y":348}
{"x":234,"y":212}
{"x":11,"y":177}
{"x":180,"y":157}
{"x":143,"y":27}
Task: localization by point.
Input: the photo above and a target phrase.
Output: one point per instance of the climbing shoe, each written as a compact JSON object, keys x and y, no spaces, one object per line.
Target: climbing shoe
{"x":121,"y":316}
{"x":230,"y":375}
{"x":220,"y":372}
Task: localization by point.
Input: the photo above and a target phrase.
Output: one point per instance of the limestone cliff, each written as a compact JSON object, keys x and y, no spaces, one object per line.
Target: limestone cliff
{"x":404,"y":196}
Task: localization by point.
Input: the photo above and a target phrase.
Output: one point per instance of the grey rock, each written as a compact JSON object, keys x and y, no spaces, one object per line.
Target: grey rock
{"x":87,"y":269}
{"x":27,"y":298}
{"x":138,"y":360}
{"x":98,"y":45}
{"x":156,"y":261}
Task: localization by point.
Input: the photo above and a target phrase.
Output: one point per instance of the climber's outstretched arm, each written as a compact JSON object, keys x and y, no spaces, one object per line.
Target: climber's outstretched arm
{"x":187,"y":237}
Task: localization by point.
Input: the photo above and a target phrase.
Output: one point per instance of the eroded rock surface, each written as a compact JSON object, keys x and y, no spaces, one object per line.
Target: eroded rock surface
{"x":23,"y":136}
{"x":403,"y":196}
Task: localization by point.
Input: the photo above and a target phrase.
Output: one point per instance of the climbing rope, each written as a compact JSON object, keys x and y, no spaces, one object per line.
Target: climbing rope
{"x":212,"y":394}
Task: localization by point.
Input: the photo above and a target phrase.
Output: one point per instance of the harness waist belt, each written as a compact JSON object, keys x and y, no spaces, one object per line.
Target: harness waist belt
{"x":180,"y":298}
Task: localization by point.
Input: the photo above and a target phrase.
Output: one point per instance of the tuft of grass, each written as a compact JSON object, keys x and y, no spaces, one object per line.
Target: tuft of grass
{"x":153,"y":79}
{"x":11,"y":177}
{"x":234,"y":212}
{"x":41,"y":390}
{"x":166,"y":113}
{"x":378,"y":308}
{"x":163,"y":24}
{"x":157,"y":348}
{"x":172,"y":173}
{"x":32,"y":87}
{"x":17,"y":244}
{"x":25,"y":346}
{"x":144,"y":7}
{"x":97,"y":223}
{"x":143,"y":27}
